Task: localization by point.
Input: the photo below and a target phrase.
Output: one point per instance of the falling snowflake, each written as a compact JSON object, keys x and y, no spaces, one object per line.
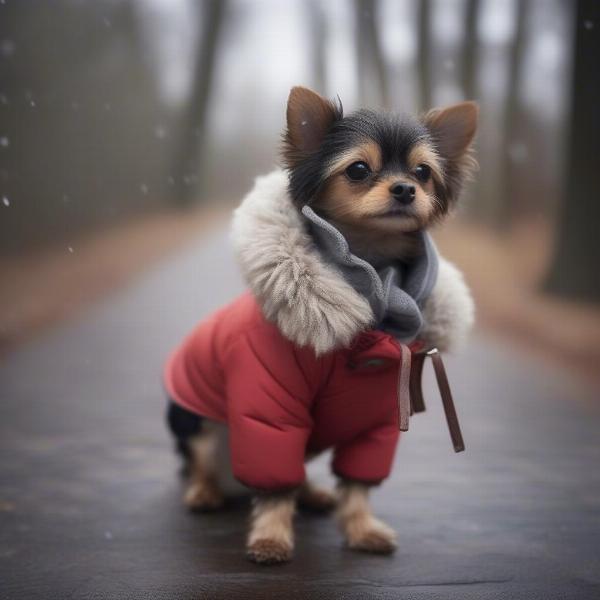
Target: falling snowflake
{"x":5,"y":201}
{"x":7,"y":48}
{"x":4,"y":141}
{"x":144,"y":189}
{"x":589,"y":25}
{"x":70,"y":249}
{"x":32,"y":103}
{"x":518,"y":152}
{"x":160,"y":132}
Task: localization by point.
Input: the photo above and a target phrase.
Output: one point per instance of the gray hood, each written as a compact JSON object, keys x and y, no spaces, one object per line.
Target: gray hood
{"x":397,"y":293}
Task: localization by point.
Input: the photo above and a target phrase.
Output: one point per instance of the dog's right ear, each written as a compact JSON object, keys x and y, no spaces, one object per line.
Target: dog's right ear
{"x":309,"y":117}
{"x":453,"y":128}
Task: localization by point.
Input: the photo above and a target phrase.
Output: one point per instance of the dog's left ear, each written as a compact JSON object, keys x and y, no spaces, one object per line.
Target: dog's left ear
{"x":453,"y":128}
{"x":309,"y":117}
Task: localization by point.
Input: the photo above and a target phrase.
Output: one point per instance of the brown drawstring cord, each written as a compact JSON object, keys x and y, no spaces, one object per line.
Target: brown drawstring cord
{"x":417,"y":404}
{"x":404,"y":370}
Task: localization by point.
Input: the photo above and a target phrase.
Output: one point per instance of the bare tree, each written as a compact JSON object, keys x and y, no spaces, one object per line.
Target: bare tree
{"x":468,"y":76}
{"x":424,"y":53}
{"x":469,"y":49}
{"x":575,"y":268}
{"x":502,"y":200}
{"x":317,"y":33}
{"x":372,"y":71}
{"x":188,"y":167}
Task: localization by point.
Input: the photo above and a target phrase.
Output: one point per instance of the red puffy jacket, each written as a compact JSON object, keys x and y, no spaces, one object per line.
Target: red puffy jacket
{"x":282,"y":401}
{"x":295,"y":365}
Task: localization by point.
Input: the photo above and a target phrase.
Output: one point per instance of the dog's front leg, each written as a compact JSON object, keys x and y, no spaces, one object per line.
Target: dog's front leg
{"x":271,"y":536}
{"x":362,"y":530}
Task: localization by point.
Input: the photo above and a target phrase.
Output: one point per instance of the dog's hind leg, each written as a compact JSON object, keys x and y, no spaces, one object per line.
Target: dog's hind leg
{"x":313,"y":497}
{"x":203,"y":491}
{"x":196,"y":440}
{"x":316,"y":498}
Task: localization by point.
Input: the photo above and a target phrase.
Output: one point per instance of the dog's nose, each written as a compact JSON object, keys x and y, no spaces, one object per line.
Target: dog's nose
{"x":403,"y":192}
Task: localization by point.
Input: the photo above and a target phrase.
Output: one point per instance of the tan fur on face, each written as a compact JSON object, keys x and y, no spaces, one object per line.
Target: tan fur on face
{"x":422,"y":153}
{"x":362,"y":530}
{"x":363,"y":206}
{"x":357,"y":211}
{"x":367,"y":152}
{"x":271,"y":537}
{"x":357,"y":203}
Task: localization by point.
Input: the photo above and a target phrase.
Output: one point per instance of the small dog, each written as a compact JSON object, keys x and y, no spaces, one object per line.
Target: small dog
{"x":319,"y":244}
{"x":378,"y":177}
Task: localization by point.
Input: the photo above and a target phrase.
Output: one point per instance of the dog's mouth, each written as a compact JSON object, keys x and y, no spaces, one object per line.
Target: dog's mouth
{"x":397,"y":211}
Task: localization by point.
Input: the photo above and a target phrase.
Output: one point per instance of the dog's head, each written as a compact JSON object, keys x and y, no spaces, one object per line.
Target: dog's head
{"x":374,"y":171}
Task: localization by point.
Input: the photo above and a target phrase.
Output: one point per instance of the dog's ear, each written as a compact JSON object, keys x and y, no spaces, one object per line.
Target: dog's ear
{"x":453,"y":128}
{"x":309,"y":117}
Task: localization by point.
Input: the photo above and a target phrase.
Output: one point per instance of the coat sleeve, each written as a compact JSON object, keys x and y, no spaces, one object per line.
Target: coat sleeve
{"x":268,"y":401}
{"x":369,"y":457}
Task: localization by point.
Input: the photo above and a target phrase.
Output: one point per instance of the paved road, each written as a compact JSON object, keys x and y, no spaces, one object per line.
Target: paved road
{"x":89,"y":496}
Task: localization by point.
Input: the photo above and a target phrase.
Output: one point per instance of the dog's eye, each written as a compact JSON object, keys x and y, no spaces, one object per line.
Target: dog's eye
{"x":423,"y":173}
{"x":358,"y":171}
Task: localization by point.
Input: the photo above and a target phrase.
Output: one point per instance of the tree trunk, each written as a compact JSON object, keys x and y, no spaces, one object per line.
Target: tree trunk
{"x":371,"y":67}
{"x":317,"y":34}
{"x":468,"y":76}
{"x":502,"y":200}
{"x":469,"y":49}
{"x":188,"y":167}
{"x":424,"y":53}
{"x":576,"y":265}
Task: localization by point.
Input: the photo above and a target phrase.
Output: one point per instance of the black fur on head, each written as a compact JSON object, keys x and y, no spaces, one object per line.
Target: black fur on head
{"x":318,"y":133}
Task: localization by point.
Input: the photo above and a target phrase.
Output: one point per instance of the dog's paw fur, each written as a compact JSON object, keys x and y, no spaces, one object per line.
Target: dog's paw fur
{"x":371,"y":535}
{"x":316,"y":499}
{"x":201,"y":496}
{"x":267,"y":551}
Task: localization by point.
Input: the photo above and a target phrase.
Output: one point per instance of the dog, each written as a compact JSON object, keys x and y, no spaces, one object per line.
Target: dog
{"x":344,"y":285}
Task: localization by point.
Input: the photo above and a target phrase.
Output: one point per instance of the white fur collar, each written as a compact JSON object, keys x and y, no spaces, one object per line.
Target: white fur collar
{"x":309,"y":300}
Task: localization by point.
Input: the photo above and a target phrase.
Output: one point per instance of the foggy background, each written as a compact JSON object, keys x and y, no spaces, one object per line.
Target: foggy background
{"x":142,"y":116}
{"x":129,"y":130}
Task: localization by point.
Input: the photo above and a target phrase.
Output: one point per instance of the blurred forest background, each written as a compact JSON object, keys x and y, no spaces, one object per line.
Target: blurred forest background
{"x":127,"y":126}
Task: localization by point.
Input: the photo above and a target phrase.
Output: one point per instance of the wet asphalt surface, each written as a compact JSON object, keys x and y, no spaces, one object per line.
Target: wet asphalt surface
{"x":90,"y":496}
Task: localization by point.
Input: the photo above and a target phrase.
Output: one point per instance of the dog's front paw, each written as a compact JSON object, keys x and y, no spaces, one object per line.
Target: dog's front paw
{"x":370,"y":535}
{"x":203,"y":496}
{"x":266,"y":551}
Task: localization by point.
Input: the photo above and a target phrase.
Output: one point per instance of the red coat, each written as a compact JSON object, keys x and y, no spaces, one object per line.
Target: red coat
{"x":294,"y":366}
{"x":281,"y":401}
